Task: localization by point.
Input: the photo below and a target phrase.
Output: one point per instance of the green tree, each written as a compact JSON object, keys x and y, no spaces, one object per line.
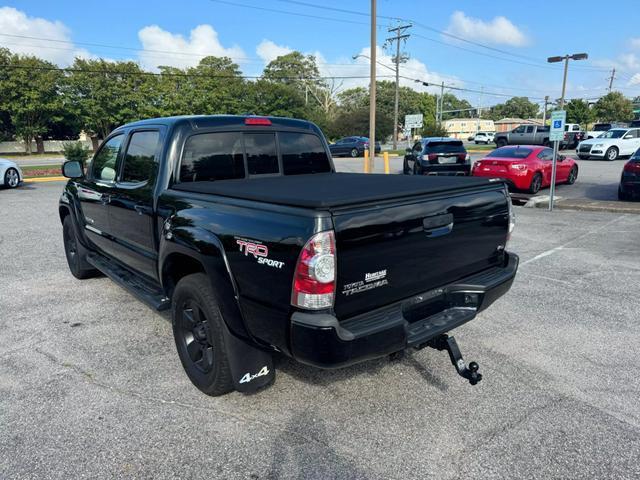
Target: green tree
{"x":516,"y":107}
{"x":451,"y":102}
{"x":578,"y":111}
{"x":107,"y":94}
{"x":271,"y":98}
{"x":29,"y":90}
{"x":613,"y":107}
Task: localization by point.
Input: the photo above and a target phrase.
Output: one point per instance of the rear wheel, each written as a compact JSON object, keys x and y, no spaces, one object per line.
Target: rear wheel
{"x":416,"y":168}
{"x":611,"y":154}
{"x":11,"y":178}
{"x":536,"y":183}
{"x":354,"y":152}
{"x":573,"y":175}
{"x":198,"y":333}
{"x":75,"y":252}
{"x":622,"y":195}
{"x":501,"y":142}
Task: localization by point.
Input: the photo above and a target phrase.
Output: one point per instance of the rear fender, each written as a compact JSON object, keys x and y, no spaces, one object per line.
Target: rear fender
{"x":251,"y":364}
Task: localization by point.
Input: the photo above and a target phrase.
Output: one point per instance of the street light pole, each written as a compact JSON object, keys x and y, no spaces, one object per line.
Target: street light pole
{"x":372,"y":91}
{"x":556,"y":143}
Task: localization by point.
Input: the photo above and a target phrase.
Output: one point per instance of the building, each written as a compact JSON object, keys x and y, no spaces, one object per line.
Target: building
{"x":465,"y":127}
{"x":508,"y":124}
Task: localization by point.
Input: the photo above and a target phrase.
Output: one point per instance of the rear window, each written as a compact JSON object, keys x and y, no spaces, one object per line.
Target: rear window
{"x":262,"y":156}
{"x":212,"y":156}
{"x":302,"y":153}
{"x":510,"y":152}
{"x":601,"y":127}
{"x":451,"y":146}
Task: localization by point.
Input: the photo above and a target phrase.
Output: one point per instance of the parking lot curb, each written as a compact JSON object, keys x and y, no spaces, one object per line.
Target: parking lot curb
{"x":44,"y":179}
{"x":593,"y":206}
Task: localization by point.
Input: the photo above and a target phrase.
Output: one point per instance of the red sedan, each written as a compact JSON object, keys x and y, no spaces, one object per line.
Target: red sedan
{"x":526,"y":167}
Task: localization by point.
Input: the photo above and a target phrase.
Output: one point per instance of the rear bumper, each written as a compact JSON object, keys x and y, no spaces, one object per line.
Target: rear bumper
{"x":319,"y":339}
{"x":630,"y":186}
{"x":450,"y":169}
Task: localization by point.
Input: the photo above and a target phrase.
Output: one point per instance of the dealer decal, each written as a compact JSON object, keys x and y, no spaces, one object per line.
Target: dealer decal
{"x":371,"y":280}
{"x":259,"y":251}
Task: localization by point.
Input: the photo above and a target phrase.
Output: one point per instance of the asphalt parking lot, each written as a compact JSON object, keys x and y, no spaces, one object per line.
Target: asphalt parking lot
{"x":91,"y":385}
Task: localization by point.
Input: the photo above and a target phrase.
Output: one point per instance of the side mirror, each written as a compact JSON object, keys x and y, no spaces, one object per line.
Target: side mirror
{"x":408,"y":151}
{"x":72,"y":169}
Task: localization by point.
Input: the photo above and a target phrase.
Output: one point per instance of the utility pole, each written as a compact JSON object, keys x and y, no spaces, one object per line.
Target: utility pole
{"x":399,"y":35}
{"x":441,"y":103}
{"x":544,"y":110}
{"x":611,"y":78}
{"x":372,"y":90}
{"x":478,"y":109}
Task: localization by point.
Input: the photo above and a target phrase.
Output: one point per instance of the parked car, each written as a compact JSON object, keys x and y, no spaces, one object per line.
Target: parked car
{"x":437,"y":156}
{"x":351,"y":146}
{"x":600,"y":128}
{"x":611,"y":144}
{"x":634,"y":124}
{"x":241,"y":226}
{"x":526,"y":167}
{"x":10,"y":173}
{"x":573,"y":135}
{"x":483,"y":137}
{"x":629,"y":187}
{"x":525,"y":135}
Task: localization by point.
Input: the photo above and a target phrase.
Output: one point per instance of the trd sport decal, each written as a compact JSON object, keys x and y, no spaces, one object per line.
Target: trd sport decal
{"x":259,"y":251}
{"x":371,"y":281}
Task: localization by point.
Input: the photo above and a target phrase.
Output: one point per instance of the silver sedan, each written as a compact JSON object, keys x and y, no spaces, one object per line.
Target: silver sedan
{"x":10,"y":173}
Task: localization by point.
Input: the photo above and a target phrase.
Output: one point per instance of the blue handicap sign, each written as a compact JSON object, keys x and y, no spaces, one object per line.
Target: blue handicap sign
{"x":557,"y":124}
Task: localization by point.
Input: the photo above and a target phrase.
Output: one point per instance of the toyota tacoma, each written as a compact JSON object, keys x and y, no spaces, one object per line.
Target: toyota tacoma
{"x":242,"y":228}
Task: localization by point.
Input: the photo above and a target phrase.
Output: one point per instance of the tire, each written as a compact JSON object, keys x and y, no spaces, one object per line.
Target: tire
{"x":536,"y":183}
{"x":547,"y":143}
{"x":573,"y":175}
{"x":198,"y":334}
{"x":476,"y":142}
{"x":611,"y":154}
{"x":405,"y":168}
{"x":416,"y":169}
{"x":75,"y":252}
{"x":622,"y":195}
{"x":354,"y":152}
{"x":11,"y":178}
{"x":501,"y":142}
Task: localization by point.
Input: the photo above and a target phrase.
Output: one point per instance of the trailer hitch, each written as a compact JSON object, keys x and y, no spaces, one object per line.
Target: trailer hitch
{"x":445,"y":342}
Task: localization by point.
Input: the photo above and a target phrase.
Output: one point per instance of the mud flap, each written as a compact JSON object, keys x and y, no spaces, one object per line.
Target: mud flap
{"x":251,"y":367}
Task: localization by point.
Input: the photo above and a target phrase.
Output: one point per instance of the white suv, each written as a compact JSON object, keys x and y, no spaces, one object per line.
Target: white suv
{"x":483,"y":137}
{"x":610,"y":145}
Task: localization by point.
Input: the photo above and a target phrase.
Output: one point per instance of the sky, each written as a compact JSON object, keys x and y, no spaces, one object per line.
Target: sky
{"x":492,"y":50}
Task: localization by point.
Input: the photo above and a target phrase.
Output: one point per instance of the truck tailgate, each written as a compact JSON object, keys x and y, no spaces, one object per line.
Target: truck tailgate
{"x":388,"y":252}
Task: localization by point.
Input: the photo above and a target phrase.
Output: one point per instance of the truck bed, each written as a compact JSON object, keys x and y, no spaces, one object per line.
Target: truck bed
{"x":329,"y":190}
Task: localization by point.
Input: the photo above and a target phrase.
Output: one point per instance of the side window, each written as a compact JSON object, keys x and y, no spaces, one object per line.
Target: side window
{"x":530,"y":129}
{"x":520,"y":129}
{"x":262,"y":157}
{"x":140,"y":159}
{"x":546,"y":154}
{"x":635,"y":133}
{"x":302,"y":153}
{"x":212,"y":156}
{"x":103,"y":166}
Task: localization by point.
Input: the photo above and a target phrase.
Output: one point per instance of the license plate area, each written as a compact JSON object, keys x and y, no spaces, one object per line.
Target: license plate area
{"x":421,"y":307}
{"x":447,"y":160}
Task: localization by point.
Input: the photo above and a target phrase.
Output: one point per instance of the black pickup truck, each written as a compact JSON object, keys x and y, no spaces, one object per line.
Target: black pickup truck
{"x":242,"y":227}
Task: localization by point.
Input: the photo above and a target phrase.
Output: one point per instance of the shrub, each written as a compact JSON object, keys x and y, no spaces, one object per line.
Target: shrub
{"x":76,"y":151}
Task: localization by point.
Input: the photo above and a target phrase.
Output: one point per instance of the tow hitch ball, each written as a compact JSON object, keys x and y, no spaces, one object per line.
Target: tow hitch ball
{"x":445,"y":342}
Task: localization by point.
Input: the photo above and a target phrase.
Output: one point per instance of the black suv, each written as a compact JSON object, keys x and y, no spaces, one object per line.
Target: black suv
{"x":437,"y":156}
{"x":351,"y":146}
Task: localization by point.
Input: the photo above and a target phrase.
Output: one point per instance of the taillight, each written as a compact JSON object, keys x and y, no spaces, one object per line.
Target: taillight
{"x":519,"y":166}
{"x":430,"y":157}
{"x":632,"y":167}
{"x":257,"y":121}
{"x":314,"y":282}
{"x":462,"y":156}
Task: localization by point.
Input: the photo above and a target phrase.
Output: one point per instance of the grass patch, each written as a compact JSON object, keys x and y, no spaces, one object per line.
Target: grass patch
{"x":31,"y":171}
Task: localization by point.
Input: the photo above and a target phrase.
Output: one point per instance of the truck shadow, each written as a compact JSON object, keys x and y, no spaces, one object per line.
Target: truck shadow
{"x":303,"y":450}
{"x":370,"y":368}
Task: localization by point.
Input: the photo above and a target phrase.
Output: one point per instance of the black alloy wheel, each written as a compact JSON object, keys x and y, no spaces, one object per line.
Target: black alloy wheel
{"x":194,"y":335}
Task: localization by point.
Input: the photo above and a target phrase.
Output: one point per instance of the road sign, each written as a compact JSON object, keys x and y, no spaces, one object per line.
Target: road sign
{"x":413,"y":121}
{"x":558,"y":119}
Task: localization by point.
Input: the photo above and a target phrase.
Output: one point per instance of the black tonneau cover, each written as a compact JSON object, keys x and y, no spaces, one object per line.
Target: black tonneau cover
{"x":326,"y":190}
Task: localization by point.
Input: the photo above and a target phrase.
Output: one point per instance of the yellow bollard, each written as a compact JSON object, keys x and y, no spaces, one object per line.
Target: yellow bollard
{"x":385,"y":155}
{"x":366,"y":161}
